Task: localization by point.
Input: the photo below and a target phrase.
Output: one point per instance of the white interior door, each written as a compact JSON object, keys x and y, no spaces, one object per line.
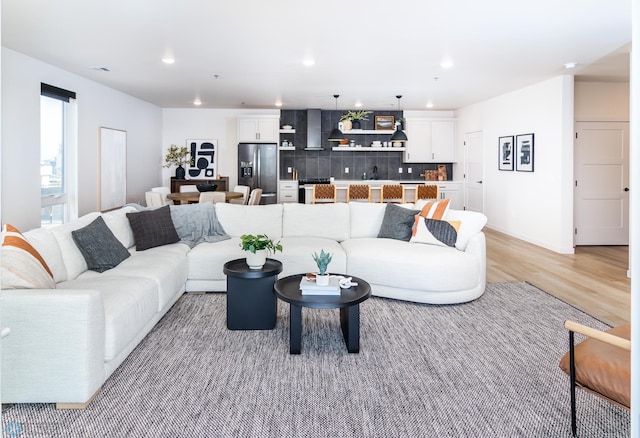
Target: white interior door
{"x":601,"y":183}
{"x":473,"y":172}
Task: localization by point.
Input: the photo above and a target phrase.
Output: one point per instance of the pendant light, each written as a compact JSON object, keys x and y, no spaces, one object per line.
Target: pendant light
{"x":336,"y":134}
{"x":399,"y":135}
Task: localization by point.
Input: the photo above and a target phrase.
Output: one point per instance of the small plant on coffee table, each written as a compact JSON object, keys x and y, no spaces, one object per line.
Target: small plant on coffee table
{"x":322,"y":261}
{"x":253,"y":243}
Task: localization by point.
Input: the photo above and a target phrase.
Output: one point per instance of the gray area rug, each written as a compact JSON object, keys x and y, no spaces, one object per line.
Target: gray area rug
{"x":483,"y":369}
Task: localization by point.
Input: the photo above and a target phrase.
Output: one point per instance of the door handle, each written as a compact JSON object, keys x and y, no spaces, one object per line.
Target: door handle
{"x":626,"y":189}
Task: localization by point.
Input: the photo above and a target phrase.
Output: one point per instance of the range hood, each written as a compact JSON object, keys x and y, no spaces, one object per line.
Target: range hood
{"x":314,"y":135}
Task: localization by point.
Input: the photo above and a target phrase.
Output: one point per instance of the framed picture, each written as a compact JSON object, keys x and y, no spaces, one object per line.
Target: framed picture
{"x":385,"y":122}
{"x":524,"y":153}
{"x":113,"y":169}
{"x":505,"y":153}
{"x":204,"y":160}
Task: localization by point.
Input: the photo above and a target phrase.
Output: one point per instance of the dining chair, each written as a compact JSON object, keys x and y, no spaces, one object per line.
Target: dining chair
{"x":164,"y":191}
{"x":188,"y":188}
{"x":358,"y":192}
{"x":600,"y":365}
{"x":254,"y":198}
{"x":427,"y":191}
{"x":245,"y":190}
{"x":153,"y":199}
{"x":323,"y":193}
{"x":392,"y":193}
{"x":213,"y":197}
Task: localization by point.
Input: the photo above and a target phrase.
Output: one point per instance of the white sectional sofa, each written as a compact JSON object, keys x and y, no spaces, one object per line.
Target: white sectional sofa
{"x":65,"y":342}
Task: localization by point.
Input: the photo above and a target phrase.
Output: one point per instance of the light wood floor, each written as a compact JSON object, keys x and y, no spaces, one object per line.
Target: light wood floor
{"x":594,"y":279}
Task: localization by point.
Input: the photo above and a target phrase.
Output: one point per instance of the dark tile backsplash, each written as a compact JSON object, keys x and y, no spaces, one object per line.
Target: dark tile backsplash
{"x":327,"y":163}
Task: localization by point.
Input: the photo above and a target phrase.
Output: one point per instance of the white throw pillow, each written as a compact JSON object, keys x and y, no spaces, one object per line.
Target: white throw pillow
{"x":22,"y":266}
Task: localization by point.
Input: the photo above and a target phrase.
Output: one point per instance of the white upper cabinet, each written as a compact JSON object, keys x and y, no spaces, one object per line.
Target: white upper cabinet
{"x":254,"y":129}
{"x":430,"y":141}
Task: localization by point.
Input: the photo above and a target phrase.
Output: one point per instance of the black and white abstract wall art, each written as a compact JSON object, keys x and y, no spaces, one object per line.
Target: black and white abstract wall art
{"x":204,"y":160}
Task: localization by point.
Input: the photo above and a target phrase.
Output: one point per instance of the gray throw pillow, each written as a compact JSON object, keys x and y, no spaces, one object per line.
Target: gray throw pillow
{"x":397,"y":222}
{"x":99,"y":246}
{"x":153,"y":228}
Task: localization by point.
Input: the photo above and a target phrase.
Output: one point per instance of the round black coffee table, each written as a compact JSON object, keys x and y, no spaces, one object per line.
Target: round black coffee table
{"x":251,"y":303}
{"x":288,"y":289}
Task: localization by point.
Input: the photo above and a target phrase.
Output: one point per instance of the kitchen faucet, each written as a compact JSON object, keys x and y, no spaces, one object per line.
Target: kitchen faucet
{"x":375,"y":173}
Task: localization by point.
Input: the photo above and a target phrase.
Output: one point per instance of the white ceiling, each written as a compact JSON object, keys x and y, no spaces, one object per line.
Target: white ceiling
{"x":367,"y":51}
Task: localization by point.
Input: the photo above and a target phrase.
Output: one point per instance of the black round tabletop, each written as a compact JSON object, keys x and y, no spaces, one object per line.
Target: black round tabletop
{"x":288,"y":289}
{"x":239,"y":268}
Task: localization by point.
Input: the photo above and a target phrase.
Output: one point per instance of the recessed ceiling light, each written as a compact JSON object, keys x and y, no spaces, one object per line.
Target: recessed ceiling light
{"x":570,"y":65}
{"x":168,"y":60}
{"x":197,"y":102}
{"x":446,"y":63}
{"x":278,"y":103}
{"x":308,"y":62}
{"x":429,"y":104}
{"x":357,"y":104}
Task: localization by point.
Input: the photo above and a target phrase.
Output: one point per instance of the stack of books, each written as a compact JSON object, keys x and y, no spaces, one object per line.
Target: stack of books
{"x":311,"y":288}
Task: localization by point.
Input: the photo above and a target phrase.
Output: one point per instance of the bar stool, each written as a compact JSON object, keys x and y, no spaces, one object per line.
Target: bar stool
{"x":424,"y":191}
{"x":358,"y":192}
{"x":392,"y":193}
{"x":322,"y":193}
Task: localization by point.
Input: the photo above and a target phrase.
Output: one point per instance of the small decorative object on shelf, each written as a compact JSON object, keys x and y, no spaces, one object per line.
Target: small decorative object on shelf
{"x":177,"y":156}
{"x":322,"y":261}
{"x":355,"y":117}
{"x":257,"y":247}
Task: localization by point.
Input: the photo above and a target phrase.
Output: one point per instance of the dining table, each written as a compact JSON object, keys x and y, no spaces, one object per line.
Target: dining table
{"x":194,"y":197}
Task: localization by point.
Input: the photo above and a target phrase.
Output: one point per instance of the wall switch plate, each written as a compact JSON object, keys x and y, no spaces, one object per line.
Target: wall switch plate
{"x":400,"y":170}
{"x":288,"y":170}
{"x":346,"y":170}
{"x":409,"y":170}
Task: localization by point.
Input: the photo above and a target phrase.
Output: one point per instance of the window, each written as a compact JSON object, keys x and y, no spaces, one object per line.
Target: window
{"x":57,"y":155}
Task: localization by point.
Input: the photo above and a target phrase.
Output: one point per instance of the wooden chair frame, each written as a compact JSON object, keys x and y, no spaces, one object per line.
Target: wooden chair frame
{"x":354,"y":191}
{"x":392,"y":190}
{"x":574,"y":327}
{"x":427,"y":191}
{"x":324,"y":192}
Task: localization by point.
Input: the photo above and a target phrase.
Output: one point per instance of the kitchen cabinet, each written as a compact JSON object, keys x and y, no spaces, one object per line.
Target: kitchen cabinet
{"x":430,"y":140}
{"x":258,"y":129}
{"x":453,"y":191}
{"x":288,"y":191}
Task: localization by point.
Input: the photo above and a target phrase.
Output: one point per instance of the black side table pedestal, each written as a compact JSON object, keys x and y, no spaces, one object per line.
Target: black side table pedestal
{"x":251,"y":302}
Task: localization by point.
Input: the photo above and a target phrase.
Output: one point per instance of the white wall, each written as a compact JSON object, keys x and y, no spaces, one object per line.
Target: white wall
{"x":97,"y":106}
{"x":602,"y":102}
{"x":533,"y":206}
{"x":179,"y":124}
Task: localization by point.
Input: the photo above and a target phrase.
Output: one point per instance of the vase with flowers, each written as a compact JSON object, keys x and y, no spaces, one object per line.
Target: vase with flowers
{"x":177,"y":156}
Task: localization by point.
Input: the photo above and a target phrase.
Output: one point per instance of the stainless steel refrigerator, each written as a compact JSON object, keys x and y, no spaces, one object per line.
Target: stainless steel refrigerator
{"x":257,"y":168}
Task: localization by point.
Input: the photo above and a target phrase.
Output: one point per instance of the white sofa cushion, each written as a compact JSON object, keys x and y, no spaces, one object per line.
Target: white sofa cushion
{"x":330,"y":221}
{"x":407,"y":265}
{"x":206,"y":260}
{"x":74,"y":262}
{"x":471,"y":223}
{"x":366,"y":218}
{"x":129,"y":303}
{"x":296,"y":255}
{"x":239,"y":219}
{"x":46,"y":244}
{"x":118,"y":223}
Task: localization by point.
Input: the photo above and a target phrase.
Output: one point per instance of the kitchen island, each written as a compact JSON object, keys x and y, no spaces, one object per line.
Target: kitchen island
{"x":448,"y":189}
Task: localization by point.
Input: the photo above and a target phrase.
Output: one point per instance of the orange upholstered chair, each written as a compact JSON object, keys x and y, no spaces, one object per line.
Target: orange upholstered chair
{"x":323,"y":193}
{"x":425,"y":191}
{"x":359,"y":192}
{"x":600,"y":365}
{"x":392,"y":193}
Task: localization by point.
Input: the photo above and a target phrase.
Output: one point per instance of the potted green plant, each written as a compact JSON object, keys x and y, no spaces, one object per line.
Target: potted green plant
{"x":322,"y":261}
{"x":177,"y":156}
{"x":355,"y":117}
{"x":257,"y":247}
